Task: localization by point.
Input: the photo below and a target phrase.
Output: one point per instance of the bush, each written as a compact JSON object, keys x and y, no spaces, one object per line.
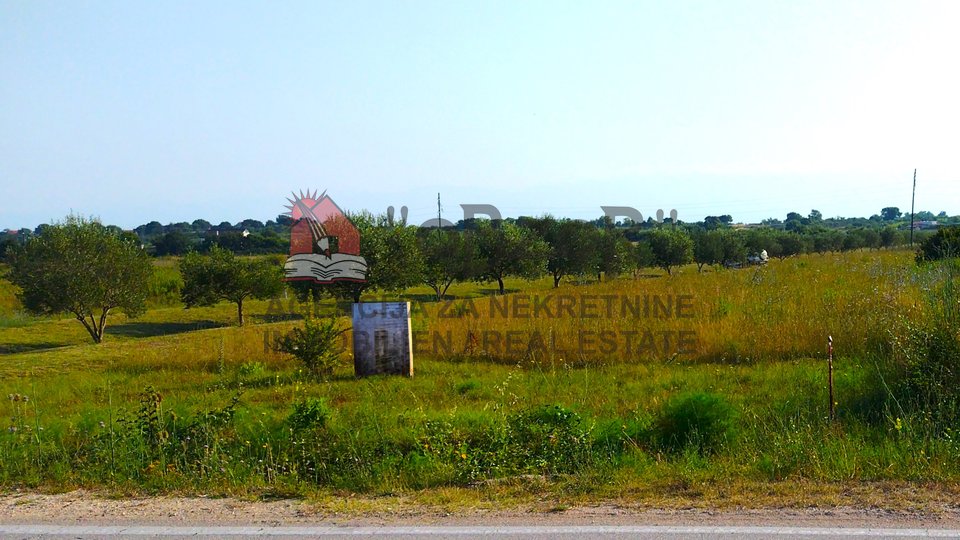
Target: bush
{"x":308,"y":414}
{"x":945,"y":244}
{"x":699,"y":421}
{"x":549,"y":438}
{"x":317,"y":345}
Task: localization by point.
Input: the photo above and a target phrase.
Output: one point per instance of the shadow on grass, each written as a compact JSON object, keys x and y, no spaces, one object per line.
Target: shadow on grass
{"x":275,"y":317}
{"x":14,"y":348}
{"x":151,"y":329}
{"x":427,"y":298}
{"x":489,"y":292}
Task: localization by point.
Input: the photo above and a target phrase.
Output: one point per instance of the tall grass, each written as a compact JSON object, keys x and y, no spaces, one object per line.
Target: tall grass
{"x":218,"y":411}
{"x":782,"y":311}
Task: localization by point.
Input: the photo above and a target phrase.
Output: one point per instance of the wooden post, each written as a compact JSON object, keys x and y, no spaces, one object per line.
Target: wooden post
{"x":830,"y":375}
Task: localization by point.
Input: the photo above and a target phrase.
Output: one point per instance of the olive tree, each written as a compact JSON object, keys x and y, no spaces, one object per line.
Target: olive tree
{"x":78,"y":266}
{"x":508,"y":249}
{"x":221,"y":275}
{"x":670,"y":247}
{"x":574,"y":246}
{"x":448,"y":256}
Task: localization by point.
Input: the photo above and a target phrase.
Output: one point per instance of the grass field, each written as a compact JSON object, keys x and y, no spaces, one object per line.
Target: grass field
{"x":183,"y":401}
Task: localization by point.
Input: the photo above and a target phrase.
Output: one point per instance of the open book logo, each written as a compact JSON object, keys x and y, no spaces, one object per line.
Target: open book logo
{"x":324,"y":244}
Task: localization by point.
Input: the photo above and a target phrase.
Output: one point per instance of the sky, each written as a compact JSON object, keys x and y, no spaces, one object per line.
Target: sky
{"x":172,"y":111}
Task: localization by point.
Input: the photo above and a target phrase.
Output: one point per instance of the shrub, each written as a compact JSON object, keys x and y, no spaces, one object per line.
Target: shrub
{"x":317,"y":345}
{"x":945,"y":244}
{"x":549,"y":438}
{"x":699,"y":421}
{"x":308,"y":414}
{"x":251,"y":370}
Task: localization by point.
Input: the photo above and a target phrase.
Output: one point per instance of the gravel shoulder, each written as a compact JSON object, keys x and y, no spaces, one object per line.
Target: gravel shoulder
{"x":86,"y":508}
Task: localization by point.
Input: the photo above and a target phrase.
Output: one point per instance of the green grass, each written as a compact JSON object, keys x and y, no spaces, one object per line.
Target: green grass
{"x":477,"y":426}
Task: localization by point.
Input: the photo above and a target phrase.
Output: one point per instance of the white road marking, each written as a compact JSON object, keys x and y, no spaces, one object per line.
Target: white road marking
{"x":421,"y":531}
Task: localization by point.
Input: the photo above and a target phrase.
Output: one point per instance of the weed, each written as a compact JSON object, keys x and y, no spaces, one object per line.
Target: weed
{"x":700,"y":421}
{"x":308,"y":414}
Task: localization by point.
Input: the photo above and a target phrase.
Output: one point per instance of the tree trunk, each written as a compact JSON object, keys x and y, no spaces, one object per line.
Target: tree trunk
{"x":103,"y":325}
{"x":240,"y":311}
{"x":500,"y":282}
{"x":556,"y":281}
{"x":89,"y":326}
{"x":445,"y":287}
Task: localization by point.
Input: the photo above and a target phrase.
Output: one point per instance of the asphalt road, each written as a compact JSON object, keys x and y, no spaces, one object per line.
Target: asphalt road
{"x":520,"y":532}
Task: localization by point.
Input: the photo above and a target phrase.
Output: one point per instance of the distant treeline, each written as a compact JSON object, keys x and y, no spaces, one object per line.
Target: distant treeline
{"x":812,"y":233}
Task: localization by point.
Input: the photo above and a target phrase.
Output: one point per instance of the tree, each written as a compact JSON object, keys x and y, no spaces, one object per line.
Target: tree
{"x":795,"y":222}
{"x":507,"y":249}
{"x":671,"y":247}
{"x":790,"y":244}
{"x":718,"y":247}
{"x":715,"y":222}
{"x":172,"y":243}
{"x":150,"y":230}
{"x":448,"y":256}
{"x":79,"y":266}
{"x":889,"y":236}
{"x":394,"y":261}
{"x":890,"y":213}
{"x":250,"y":224}
{"x":573,"y":246}
{"x":815,"y":216}
{"x":221,"y":275}
{"x":707,"y":249}
{"x":7,"y":243}
{"x":200,"y":226}
{"x":613,"y":252}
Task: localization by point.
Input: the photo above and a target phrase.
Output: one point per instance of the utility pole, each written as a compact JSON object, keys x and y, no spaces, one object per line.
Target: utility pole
{"x":913,"y":198}
{"x":439,"y":233}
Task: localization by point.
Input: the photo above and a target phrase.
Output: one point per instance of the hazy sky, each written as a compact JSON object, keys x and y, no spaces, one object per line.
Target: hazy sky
{"x":172,"y":111}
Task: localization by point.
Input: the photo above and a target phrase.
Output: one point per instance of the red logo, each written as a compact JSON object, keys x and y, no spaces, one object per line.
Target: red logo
{"x":324,"y":243}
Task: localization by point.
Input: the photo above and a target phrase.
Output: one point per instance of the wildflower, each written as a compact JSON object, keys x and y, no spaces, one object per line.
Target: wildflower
{"x":103,"y":424}
{"x":12,"y":429}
